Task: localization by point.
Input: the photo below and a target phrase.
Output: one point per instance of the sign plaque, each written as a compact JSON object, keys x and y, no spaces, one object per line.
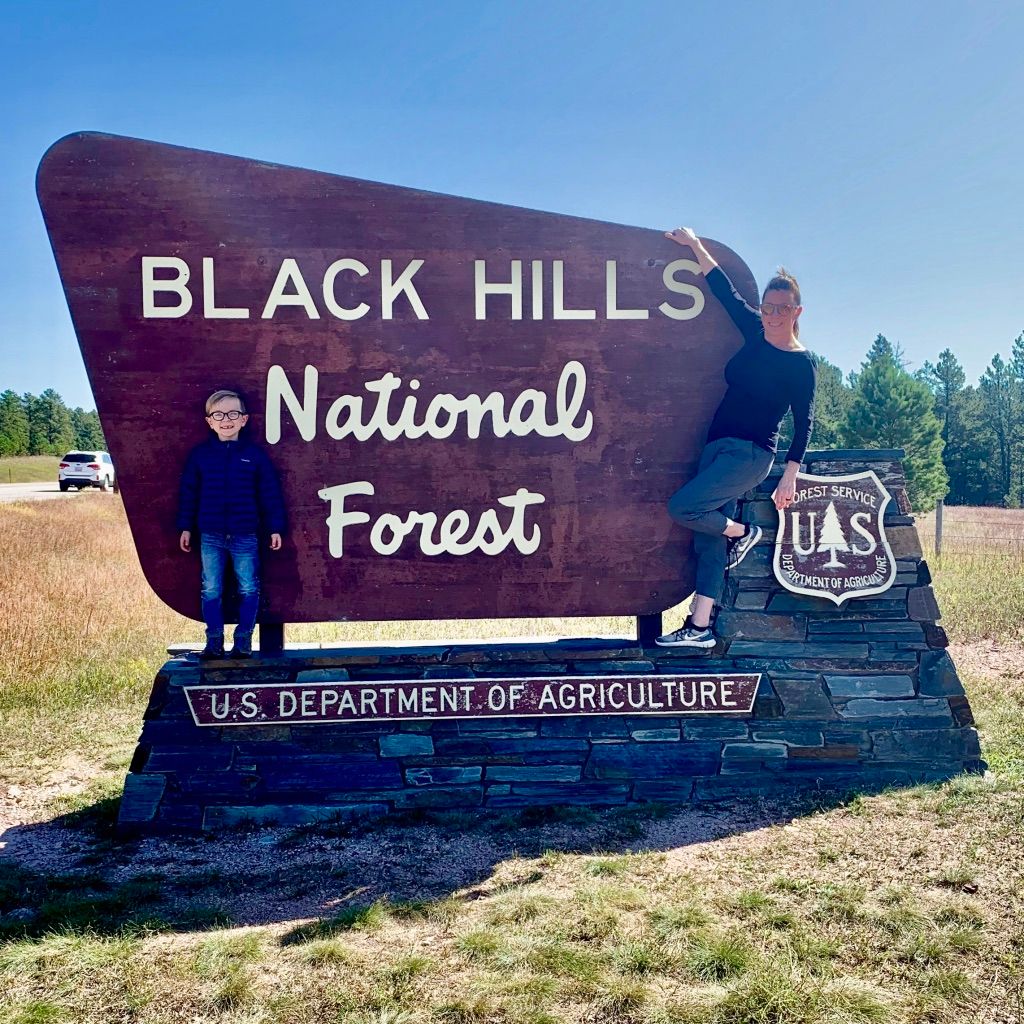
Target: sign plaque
{"x":831,"y":541}
{"x":477,"y":411}
{"x":407,"y":700}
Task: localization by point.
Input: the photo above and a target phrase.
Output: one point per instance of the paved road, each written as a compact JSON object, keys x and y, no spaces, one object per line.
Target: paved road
{"x":36,"y":492}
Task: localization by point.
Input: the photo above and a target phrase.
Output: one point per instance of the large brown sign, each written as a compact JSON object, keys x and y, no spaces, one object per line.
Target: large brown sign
{"x":831,"y":540}
{"x":476,"y":410}
{"x":400,"y":700}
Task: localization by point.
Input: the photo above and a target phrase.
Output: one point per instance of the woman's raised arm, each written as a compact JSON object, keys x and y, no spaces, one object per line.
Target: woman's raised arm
{"x":686,"y":236}
{"x":743,"y":315}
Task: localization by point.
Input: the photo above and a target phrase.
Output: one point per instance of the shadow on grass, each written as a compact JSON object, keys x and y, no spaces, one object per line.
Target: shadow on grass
{"x":343,"y":876}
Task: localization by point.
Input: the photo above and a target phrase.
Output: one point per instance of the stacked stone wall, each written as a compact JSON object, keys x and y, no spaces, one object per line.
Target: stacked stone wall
{"x":859,"y":696}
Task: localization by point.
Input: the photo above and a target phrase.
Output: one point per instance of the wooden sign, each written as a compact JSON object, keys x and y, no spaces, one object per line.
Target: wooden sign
{"x":476,"y":410}
{"x":831,"y":540}
{"x":407,"y":700}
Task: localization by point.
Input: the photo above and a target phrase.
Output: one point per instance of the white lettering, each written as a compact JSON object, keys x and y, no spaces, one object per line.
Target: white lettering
{"x":289,"y":273}
{"x":797,"y":546}
{"x":177,"y":285}
{"x":559,"y":312}
{"x":391,"y":288}
{"x":338,"y":518}
{"x":225,"y":707}
{"x":611,"y":291}
{"x":330,"y":299}
{"x":390,"y":531}
{"x":529,"y":412}
{"x":668,"y":277}
{"x":210,"y":308}
{"x":303,"y":414}
{"x":856,"y":524}
{"x":482,"y":288}
{"x":536,"y":289}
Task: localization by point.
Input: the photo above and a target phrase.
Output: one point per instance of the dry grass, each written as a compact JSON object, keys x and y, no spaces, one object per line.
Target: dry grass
{"x":970,"y":528}
{"x":903,"y":907}
{"x":28,"y":469}
{"x":83,"y":634}
{"x":980,"y":573}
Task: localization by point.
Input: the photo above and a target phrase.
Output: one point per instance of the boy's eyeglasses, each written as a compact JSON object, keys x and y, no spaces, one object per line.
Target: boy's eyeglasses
{"x":773,"y":310}
{"x":218,"y":417}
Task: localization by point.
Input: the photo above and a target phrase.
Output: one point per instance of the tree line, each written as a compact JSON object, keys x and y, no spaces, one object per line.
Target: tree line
{"x":963,"y":443}
{"x":44,"y":425}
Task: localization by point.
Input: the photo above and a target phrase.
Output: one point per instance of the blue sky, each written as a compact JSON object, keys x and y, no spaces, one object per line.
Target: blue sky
{"x":874,"y":149}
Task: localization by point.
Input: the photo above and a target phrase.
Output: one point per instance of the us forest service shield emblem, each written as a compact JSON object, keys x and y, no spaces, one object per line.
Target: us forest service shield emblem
{"x":831,"y":541}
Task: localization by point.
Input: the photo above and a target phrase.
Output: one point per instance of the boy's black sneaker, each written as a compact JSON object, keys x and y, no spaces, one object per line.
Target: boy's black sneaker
{"x":688,"y":635}
{"x":741,"y":546}
{"x":241,"y":651}
{"x":211,"y":652}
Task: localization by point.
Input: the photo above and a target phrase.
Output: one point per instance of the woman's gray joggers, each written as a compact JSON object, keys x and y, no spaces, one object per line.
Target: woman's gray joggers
{"x":728,"y":468}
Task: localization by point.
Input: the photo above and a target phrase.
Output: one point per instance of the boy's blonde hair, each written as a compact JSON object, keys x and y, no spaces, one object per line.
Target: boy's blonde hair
{"x":219,"y":396}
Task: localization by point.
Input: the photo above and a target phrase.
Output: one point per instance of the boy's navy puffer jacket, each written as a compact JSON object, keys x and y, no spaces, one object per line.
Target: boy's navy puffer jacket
{"x":230,"y":487}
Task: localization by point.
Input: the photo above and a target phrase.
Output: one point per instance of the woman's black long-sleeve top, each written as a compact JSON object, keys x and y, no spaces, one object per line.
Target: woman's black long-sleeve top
{"x":764,"y":382}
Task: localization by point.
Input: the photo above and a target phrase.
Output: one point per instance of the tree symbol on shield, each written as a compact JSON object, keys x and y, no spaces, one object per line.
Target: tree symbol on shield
{"x":832,"y":537}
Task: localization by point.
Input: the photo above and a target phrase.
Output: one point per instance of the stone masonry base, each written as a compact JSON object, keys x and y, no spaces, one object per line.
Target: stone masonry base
{"x":860,"y":696}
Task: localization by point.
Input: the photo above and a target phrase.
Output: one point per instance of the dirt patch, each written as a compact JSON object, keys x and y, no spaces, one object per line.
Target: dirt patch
{"x":275,"y":875}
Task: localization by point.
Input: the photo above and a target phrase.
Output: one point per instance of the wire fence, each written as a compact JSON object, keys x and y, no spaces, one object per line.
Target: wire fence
{"x":953,"y":529}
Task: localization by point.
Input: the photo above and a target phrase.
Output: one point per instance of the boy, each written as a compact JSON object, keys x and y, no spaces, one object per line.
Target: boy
{"x":229,"y":490}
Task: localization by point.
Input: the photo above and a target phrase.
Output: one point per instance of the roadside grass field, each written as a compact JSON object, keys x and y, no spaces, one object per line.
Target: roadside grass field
{"x":28,"y":469}
{"x":905,"y":906}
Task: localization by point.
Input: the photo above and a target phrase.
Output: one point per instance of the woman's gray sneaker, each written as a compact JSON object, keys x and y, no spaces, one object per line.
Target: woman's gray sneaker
{"x":740,"y":547}
{"x":688,"y":636}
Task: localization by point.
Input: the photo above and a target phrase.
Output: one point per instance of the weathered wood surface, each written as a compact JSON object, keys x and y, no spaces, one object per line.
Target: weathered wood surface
{"x":607,"y":545}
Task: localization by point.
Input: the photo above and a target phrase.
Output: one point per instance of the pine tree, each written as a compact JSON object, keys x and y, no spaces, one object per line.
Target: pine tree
{"x":14,"y":426}
{"x":1000,"y":395}
{"x":892,"y":409}
{"x":832,"y":537}
{"x":50,"y":428}
{"x":88,"y":433}
{"x":1017,"y":439}
{"x":946,"y":380}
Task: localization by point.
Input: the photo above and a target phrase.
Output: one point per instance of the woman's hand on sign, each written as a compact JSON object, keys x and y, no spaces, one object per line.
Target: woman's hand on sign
{"x":683,"y":236}
{"x":275,"y":542}
{"x":786,"y":490}
{"x":686,"y":236}
{"x":185,"y":543}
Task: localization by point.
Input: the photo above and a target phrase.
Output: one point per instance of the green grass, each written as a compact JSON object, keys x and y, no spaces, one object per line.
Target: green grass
{"x":28,"y":469}
{"x":774,"y":995}
{"x":981,"y":594}
{"x":868,"y":914}
{"x":718,"y":957}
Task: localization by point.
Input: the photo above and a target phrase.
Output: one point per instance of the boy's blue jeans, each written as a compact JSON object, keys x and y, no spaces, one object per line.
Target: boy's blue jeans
{"x":243,"y":550}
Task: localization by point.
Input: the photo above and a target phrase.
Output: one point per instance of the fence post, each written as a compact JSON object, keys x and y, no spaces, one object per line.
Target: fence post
{"x":938,"y":528}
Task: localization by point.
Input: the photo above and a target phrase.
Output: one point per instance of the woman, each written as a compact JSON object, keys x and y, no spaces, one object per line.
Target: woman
{"x":770,"y":374}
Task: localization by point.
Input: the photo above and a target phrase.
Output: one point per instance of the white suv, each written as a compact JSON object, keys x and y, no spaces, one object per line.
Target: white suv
{"x":86,"y":469}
